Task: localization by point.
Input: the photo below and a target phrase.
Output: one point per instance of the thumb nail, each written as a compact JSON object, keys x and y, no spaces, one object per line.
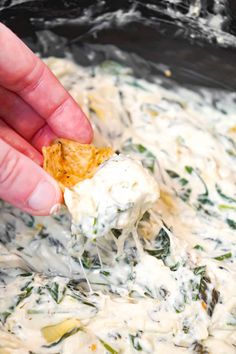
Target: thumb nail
{"x":44,"y":198}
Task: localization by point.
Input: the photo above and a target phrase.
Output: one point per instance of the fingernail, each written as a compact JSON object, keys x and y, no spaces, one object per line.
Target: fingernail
{"x":55,"y":209}
{"x":44,"y":197}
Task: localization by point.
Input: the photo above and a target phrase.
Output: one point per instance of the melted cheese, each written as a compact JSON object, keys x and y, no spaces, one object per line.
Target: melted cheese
{"x":117,"y":196}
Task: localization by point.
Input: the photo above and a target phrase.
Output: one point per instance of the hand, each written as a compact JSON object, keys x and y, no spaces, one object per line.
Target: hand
{"x":34,"y":110}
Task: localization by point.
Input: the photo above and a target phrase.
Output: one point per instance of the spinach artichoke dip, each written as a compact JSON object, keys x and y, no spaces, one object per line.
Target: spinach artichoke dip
{"x":120,"y":192}
{"x":162,"y":277}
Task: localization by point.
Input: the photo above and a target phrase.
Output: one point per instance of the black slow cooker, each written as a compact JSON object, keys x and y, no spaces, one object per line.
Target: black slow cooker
{"x":195,"y":39}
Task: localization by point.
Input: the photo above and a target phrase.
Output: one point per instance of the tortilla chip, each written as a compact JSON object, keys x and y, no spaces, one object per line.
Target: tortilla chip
{"x":70,"y":162}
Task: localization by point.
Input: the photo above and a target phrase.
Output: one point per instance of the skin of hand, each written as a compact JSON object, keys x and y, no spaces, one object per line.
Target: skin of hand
{"x":34,"y":110}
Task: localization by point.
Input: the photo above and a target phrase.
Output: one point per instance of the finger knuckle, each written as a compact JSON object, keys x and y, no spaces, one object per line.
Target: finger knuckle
{"x":33,"y":79}
{"x":8,"y":169}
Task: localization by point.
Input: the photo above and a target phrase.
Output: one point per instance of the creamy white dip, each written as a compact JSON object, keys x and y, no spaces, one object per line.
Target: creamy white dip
{"x":116,"y":197}
{"x":166,"y":284}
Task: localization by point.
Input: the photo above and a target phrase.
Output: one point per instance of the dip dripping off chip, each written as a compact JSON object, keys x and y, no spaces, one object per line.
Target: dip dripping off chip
{"x":70,"y":162}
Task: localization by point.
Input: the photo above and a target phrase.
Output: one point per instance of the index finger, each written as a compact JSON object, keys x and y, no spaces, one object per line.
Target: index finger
{"x":23,"y":72}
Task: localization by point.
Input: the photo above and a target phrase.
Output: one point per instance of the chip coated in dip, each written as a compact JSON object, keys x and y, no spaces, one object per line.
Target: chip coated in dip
{"x":115,"y":197}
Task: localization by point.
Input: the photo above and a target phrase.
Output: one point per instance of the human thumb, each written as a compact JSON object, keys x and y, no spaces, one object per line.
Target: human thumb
{"x":25,"y":184}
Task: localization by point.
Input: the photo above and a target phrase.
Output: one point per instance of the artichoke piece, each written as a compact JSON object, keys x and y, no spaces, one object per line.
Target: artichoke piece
{"x":60,"y":331}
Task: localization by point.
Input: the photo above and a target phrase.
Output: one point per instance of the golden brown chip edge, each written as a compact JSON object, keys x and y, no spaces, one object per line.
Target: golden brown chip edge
{"x":70,"y":162}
